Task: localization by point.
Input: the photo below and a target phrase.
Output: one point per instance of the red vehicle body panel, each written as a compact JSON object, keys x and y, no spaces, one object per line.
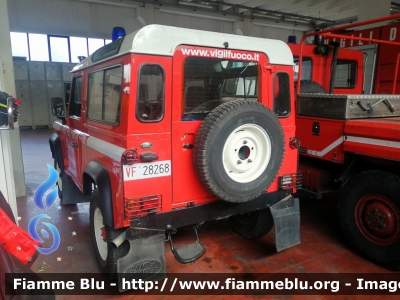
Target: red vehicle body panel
{"x":373,"y":137}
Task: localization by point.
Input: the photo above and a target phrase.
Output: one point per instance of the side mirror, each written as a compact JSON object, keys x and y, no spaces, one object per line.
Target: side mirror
{"x":6,"y":112}
{"x":57,"y":107}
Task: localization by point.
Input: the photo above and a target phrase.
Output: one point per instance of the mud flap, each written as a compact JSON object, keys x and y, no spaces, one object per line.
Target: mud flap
{"x":286,"y":214}
{"x":71,"y":193}
{"x":145,"y":259}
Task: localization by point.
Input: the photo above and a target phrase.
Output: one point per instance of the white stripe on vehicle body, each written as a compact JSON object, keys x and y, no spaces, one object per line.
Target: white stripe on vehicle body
{"x":376,"y":142}
{"x":327,"y":149}
{"x":108,"y":149}
{"x":105,"y":148}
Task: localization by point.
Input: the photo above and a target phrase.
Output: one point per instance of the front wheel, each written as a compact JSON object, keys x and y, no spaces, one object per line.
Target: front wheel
{"x":252,"y":225}
{"x":106,"y":252}
{"x":369,"y":215}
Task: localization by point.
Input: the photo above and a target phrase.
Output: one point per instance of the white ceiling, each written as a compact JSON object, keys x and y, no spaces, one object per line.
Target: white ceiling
{"x":312,"y":14}
{"x":323,"y":13}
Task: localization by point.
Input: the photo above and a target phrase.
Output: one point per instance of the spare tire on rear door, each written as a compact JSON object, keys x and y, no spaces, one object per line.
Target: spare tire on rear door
{"x":238,"y":150}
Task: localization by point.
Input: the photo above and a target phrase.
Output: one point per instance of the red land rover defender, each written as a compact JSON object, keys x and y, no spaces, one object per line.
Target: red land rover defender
{"x":170,"y":127}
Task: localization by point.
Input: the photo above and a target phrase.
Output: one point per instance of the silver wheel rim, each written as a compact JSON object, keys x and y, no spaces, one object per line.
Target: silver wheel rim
{"x":98,"y":233}
{"x":246,"y":153}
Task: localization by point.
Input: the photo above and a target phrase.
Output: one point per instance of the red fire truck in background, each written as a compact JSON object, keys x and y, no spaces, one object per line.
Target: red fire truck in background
{"x":350,"y":141}
{"x":381,"y":59}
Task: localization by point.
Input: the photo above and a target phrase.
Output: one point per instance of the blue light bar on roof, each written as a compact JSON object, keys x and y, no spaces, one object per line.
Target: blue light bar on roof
{"x":118,"y":32}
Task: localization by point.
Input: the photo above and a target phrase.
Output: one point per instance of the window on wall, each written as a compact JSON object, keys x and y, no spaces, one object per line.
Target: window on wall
{"x":38,"y":47}
{"x":59,"y":46}
{"x":42,"y":47}
{"x":19,"y":44}
{"x":104,"y":99}
{"x":78,"y":48}
{"x":94,"y":44}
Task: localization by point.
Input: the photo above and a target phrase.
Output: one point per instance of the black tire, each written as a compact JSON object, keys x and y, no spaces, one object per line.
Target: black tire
{"x":369,"y":215}
{"x":252,"y":225}
{"x":307,"y":86}
{"x":239,"y":150}
{"x":106,"y":252}
{"x":59,"y":181}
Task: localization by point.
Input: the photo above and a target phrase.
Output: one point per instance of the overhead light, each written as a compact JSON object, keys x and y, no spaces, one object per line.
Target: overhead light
{"x":194,"y":4}
{"x":298,"y":20}
{"x":110,"y":3}
{"x":284,"y":26}
{"x":181,"y":13}
{"x":268,"y":16}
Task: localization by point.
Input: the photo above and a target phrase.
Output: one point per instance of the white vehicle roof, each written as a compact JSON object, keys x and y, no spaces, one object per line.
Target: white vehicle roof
{"x":163,"y":40}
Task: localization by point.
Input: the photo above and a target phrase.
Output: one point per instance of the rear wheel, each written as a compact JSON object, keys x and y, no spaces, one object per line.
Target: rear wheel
{"x":369,"y":214}
{"x":106,"y":252}
{"x":252,"y":225}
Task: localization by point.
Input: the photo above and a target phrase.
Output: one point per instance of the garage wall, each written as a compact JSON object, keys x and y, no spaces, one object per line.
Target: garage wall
{"x":83,"y":19}
{"x":36,"y":83}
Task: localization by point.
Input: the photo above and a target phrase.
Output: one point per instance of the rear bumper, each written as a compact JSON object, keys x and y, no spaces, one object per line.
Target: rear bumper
{"x":206,"y":212}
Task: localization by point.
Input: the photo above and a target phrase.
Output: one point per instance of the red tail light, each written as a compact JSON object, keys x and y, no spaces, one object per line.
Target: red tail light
{"x":141,"y":206}
{"x":290,"y":181}
{"x":129,"y":157}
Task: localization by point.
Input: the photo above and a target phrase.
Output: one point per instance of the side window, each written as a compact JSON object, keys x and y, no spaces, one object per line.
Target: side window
{"x":281,"y":94}
{"x":150,"y":97}
{"x":76,"y":97}
{"x":345,"y":76}
{"x":104,"y":100}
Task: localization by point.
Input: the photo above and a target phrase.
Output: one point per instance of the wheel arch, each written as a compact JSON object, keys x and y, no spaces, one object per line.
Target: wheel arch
{"x":56,"y":150}
{"x":95,"y":173}
{"x":359,"y":164}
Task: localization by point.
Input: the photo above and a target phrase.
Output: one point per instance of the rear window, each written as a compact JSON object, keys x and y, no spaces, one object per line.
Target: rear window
{"x":211,"y":82}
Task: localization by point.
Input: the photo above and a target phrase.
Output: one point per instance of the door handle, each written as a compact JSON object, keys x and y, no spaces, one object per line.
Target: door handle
{"x":148,"y":156}
{"x":74,"y":145}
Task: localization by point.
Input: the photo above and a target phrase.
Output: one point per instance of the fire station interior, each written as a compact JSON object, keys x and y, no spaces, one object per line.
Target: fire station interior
{"x":25,"y":153}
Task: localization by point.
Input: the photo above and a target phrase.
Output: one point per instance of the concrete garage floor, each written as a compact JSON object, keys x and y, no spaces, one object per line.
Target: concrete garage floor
{"x":322,"y":249}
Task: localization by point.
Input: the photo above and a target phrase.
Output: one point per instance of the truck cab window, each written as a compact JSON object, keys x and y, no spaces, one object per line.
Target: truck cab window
{"x":306,"y":68}
{"x":346,"y":71}
{"x":281,"y":90}
{"x":150,"y":97}
{"x":76,"y":97}
{"x":211,"y":82}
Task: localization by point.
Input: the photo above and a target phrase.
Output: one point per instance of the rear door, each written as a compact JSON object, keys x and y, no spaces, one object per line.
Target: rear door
{"x":74,"y":130}
{"x":204,"y":78}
